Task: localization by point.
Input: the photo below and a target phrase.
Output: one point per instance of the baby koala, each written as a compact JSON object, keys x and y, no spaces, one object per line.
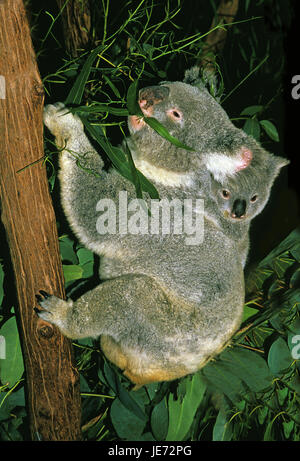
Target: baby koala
{"x":164,"y":308}
{"x":237,"y":199}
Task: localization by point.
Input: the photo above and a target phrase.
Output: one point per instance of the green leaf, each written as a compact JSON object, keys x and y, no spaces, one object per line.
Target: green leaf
{"x":101,"y":108}
{"x":247,"y":365}
{"x":287,"y":428}
{"x":118,"y":159}
{"x":76,"y":92}
{"x":72,"y":272}
{"x":124,"y":396}
{"x":86,"y":262}
{"x":12,"y":367}
{"x":295,"y":251}
{"x":248,"y":312}
{"x":268,"y":435}
{"x":279,"y":357}
{"x":251,"y":127}
{"x":1,"y":283}
{"x":67,"y":252}
{"x":127,"y":425}
{"x":252,"y":110}
{"x":222,"y":381}
{"x":282,"y":395}
{"x":8,"y":401}
{"x":132,"y":104}
{"x":181,"y":413}
{"x":262,"y":414}
{"x":288,"y":244}
{"x":160,"y":420}
{"x":162,"y":131}
{"x":270,"y":129}
{"x":222,"y":430}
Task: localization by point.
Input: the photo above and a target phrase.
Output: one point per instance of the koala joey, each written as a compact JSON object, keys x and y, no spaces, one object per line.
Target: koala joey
{"x":163,"y":308}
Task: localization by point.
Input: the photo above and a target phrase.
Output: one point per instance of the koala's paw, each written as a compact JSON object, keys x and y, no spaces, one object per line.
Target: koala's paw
{"x":54,"y":309}
{"x":62,"y":124}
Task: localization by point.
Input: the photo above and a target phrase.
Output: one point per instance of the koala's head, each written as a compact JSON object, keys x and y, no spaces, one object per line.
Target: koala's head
{"x":189,"y":113}
{"x":244,"y":195}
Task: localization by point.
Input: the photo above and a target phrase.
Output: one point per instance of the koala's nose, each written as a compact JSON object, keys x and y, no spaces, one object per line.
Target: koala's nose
{"x":150,"y":96}
{"x":238,"y":209}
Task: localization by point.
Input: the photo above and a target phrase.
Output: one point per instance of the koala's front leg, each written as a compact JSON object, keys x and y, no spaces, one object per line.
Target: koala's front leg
{"x":56,"y":311}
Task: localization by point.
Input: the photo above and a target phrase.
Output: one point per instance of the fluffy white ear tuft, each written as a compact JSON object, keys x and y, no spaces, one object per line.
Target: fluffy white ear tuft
{"x":221,"y":165}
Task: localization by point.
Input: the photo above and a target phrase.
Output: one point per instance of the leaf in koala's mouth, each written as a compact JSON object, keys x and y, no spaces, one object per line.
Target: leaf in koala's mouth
{"x":162,"y":131}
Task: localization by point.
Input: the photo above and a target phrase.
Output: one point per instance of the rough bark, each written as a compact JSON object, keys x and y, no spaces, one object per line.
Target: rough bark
{"x":215,"y":41}
{"x":76,"y":19}
{"x":52,"y":383}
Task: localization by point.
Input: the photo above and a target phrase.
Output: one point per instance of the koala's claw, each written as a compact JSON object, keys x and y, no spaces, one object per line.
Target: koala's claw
{"x":44,"y":294}
{"x":44,"y":300}
{"x":54,"y":309}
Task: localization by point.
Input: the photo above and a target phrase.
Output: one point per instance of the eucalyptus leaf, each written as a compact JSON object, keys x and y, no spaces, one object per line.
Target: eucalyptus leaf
{"x":129,"y":403}
{"x":288,"y":428}
{"x":279,"y":357}
{"x":12,"y":367}
{"x":160,"y":420}
{"x":162,"y":131}
{"x":127,"y":425}
{"x":270,"y":129}
{"x":72,"y":272}
{"x":67,"y":252}
{"x":118,"y":159}
{"x":86,"y":262}
{"x":182,"y":412}
{"x":76,"y":92}
{"x":252,"y":128}
{"x":1,"y":283}
{"x":251,"y":110}
{"x":222,"y":430}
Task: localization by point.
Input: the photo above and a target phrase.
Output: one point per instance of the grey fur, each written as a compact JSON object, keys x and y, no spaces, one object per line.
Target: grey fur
{"x":167,"y":306}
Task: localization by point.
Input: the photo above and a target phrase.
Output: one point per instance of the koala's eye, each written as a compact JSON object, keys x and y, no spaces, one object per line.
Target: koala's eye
{"x":253,"y":199}
{"x":175,"y":114}
{"x":225,"y":194}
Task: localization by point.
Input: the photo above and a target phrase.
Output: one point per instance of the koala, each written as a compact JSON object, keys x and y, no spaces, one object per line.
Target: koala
{"x":241,"y":171}
{"x":163,"y":308}
{"x":238,"y":199}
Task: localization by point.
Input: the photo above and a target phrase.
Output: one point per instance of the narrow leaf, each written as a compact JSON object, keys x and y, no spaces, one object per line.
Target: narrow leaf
{"x":270,"y":129}
{"x":76,"y":92}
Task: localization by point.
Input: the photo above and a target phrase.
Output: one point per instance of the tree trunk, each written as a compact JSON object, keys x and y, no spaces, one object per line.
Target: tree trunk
{"x":53,"y":397}
{"x":215,"y":41}
{"x":76,"y":19}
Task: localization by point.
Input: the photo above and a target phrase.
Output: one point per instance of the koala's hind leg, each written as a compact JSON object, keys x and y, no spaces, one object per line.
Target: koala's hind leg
{"x":137,"y":320}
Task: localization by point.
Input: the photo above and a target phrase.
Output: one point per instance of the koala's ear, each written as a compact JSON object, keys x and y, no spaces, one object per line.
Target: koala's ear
{"x":152,"y":95}
{"x":223,"y":166}
{"x":276,"y":163}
